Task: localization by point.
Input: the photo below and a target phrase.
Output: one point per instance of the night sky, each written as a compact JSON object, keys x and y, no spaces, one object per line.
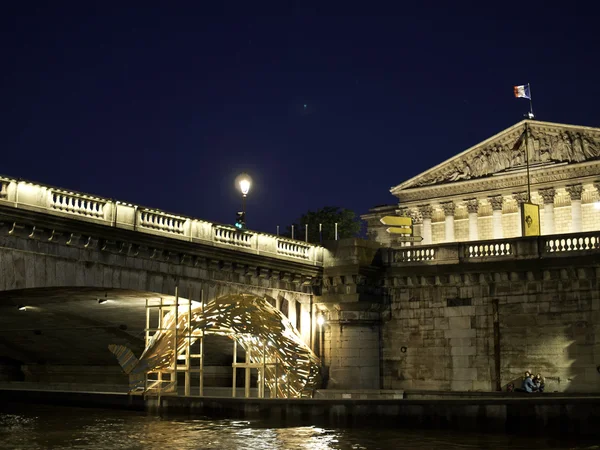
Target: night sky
{"x":164,"y":106}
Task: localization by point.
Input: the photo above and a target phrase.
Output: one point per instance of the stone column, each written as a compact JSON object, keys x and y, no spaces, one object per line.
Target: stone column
{"x":520,"y":198}
{"x":548,"y":196}
{"x":473,"y":208}
{"x":575,"y":194}
{"x":449,"y":221}
{"x":426,"y":212}
{"x":496,"y":203}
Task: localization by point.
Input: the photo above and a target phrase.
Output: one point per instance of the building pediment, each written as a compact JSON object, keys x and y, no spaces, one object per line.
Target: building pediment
{"x":550,"y":145}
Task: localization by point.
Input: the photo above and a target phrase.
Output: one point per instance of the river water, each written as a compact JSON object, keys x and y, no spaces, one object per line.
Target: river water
{"x":32,"y":427}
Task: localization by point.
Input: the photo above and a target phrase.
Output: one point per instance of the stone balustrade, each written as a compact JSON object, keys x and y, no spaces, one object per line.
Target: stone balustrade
{"x":76,"y":204}
{"x":87,"y":208}
{"x":572,"y":243}
{"x":3,"y":189}
{"x":492,"y":250}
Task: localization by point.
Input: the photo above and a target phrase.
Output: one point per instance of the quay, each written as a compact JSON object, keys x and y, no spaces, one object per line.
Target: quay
{"x":552,"y":414}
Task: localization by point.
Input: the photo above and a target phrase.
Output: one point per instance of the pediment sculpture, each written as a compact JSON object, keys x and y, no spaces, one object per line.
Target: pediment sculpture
{"x":544,"y":148}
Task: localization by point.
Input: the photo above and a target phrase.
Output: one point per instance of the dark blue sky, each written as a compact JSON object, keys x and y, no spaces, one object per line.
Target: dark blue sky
{"x":164,"y":106}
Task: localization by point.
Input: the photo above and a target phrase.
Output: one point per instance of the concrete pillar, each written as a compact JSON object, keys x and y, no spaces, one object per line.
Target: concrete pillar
{"x":520,"y":198}
{"x":548,"y":196}
{"x":449,"y":221}
{"x":496,"y":203}
{"x":426,"y":211}
{"x":473,"y":208}
{"x":575,"y":194}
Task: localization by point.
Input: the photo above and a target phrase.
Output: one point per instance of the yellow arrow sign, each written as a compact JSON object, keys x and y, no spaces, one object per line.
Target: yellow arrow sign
{"x":396,"y":221}
{"x":394,"y":230}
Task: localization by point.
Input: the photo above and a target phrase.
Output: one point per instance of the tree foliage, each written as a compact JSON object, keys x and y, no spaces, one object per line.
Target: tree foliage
{"x":349,"y":224}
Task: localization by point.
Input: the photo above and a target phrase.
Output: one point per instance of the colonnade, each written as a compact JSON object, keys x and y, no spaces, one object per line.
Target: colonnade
{"x":548,"y":195}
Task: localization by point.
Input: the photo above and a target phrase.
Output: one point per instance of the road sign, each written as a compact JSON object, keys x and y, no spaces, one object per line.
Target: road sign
{"x":409,"y":238}
{"x":397,"y":230}
{"x":396,"y":221}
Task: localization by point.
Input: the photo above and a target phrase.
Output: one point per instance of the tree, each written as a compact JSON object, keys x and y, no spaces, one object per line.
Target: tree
{"x":348,"y":224}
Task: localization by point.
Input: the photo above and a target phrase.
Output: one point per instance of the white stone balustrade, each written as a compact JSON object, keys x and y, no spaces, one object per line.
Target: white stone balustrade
{"x":232,"y":236}
{"x":86,"y":208}
{"x":479,"y":250}
{"x":77,"y":203}
{"x":414,"y":254}
{"x":292,"y":248}
{"x":157,"y":220}
{"x":3,"y":189}
{"x":534,"y":247}
{"x":560,"y":244}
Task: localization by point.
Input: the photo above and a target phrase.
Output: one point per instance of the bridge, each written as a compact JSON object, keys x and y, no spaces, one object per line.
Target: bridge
{"x":79,"y":273}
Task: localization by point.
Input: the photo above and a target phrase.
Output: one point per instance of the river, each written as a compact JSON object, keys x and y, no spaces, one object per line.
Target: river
{"x":32,"y":427}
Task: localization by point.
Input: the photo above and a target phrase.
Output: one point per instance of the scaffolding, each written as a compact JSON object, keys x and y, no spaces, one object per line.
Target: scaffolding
{"x":187,"y":360}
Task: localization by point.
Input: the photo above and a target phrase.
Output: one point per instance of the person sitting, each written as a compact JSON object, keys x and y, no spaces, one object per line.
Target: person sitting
{"x":528,"y":385}
{"x":538,"y":382}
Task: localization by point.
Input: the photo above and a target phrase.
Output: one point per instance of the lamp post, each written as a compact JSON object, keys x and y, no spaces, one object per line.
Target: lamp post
{"x":243,"y":182}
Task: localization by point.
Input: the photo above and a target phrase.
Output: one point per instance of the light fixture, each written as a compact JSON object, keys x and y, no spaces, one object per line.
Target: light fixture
{"x":102,"y":300}
{"x":22,"y":308}
{"x":320,"y":319}
{"x":244,"y":181}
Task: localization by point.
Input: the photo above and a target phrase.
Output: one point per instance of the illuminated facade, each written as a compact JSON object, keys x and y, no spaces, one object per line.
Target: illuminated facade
{"x":477,"y":194}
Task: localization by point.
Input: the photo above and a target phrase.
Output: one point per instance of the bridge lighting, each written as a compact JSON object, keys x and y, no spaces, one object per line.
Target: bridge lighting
{"x":243,"y":182}
{"x":22,"y":308}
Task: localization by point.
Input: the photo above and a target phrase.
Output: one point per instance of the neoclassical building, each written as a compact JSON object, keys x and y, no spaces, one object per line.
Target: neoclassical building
{"x":477,"y":194}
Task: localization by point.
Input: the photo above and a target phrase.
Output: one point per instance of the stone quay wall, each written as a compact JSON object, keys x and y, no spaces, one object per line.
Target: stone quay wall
{"x":465,"y":318}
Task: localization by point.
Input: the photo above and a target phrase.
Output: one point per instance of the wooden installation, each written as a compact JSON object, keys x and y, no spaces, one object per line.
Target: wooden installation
{"x":286,"y":366}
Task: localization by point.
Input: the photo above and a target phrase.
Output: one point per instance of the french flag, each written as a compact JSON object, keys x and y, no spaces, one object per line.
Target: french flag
{"x":522,"y":91}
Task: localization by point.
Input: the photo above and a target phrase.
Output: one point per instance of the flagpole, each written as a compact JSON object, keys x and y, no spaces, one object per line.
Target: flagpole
{"x":531,"y":116}
{"x":527,"y":160}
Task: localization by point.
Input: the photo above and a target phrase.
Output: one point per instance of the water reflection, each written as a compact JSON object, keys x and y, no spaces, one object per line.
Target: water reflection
{"x":41,"y":427}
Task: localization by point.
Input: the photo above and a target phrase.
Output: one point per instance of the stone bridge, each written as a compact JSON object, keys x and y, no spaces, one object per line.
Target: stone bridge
{"x":63,"y":253}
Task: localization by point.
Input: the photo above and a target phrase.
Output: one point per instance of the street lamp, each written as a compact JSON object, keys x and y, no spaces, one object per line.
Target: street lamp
{"x":243,"y":182}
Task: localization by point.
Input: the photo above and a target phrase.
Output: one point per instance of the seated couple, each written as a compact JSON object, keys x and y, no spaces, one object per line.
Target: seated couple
{"x":532,"y":384}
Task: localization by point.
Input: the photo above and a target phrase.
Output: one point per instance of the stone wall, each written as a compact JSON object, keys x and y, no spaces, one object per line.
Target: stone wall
{"x":462,"y":329}
{"x":351,"y":350}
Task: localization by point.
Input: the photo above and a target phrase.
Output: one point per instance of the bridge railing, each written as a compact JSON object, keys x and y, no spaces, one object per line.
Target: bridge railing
{"x":92,"y":209}
{"x":552,"y":246}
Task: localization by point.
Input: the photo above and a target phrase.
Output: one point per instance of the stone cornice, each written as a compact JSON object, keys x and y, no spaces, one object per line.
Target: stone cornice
{"x":507,"y":184}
